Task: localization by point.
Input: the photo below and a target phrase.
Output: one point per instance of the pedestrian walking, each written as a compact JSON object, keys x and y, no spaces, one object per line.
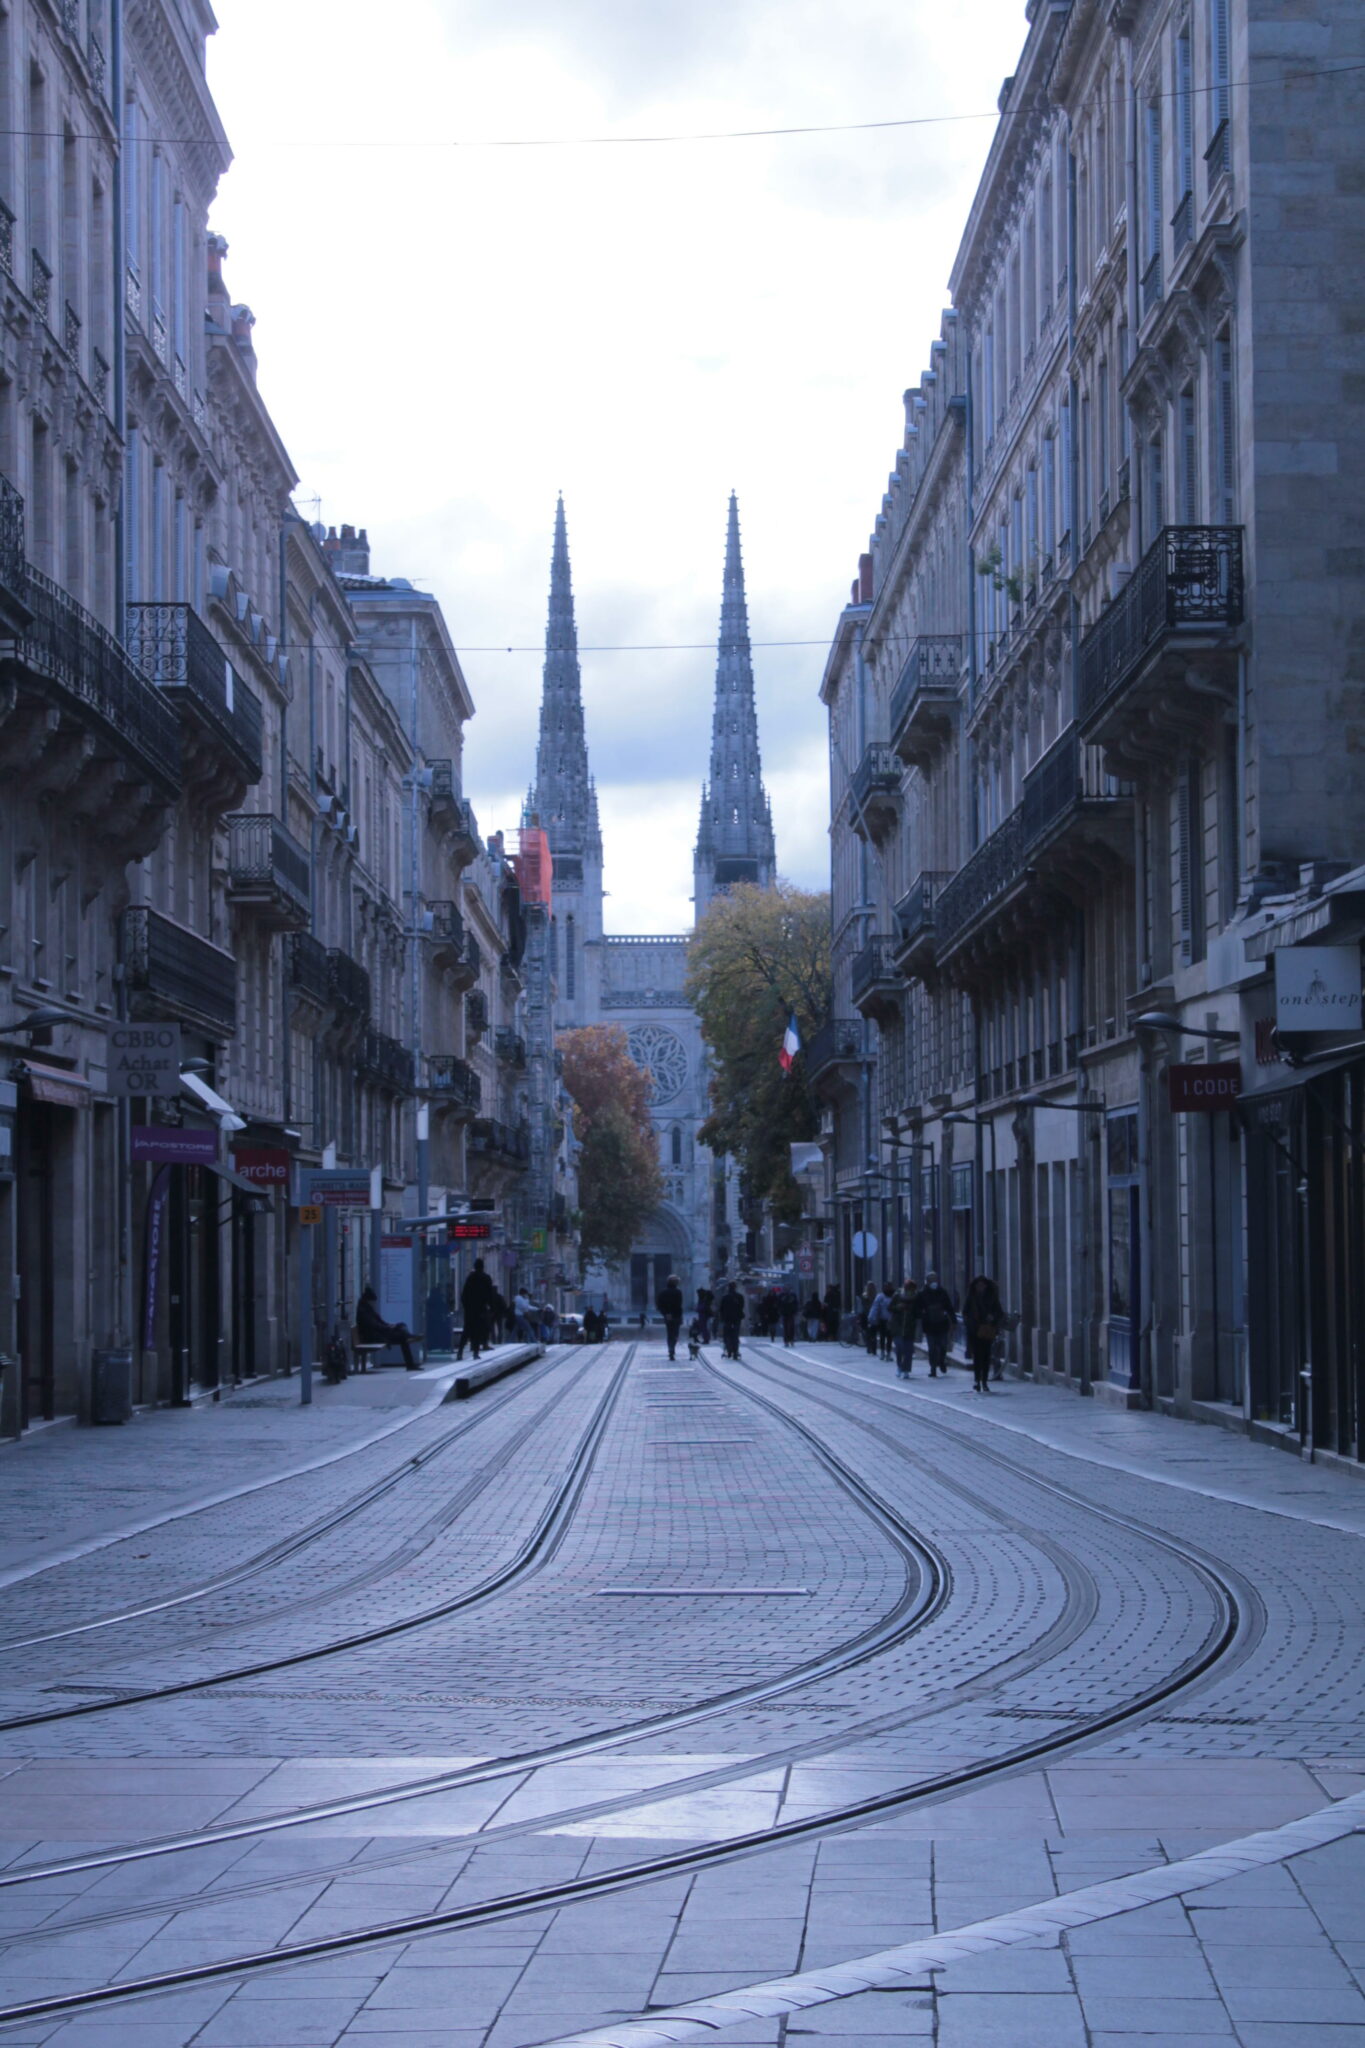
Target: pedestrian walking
{"x":813,"y":1316}
{"x":706,"y":1308}
{"x":904,"y":1316}
{"x":476,"y":1299}
{"x":937,"y":1315}
{"x":731,"y":1312}
{"x":789,"y":1307}
{"x":879,"y":1322}
{"x":982,"y":1315}
{"x":831,"y":1309}
{"x":669,"y":1302}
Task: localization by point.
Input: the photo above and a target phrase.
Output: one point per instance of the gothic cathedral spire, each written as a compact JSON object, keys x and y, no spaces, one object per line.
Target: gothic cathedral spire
{"x":735,"y":838}
{"x":564,"y":796}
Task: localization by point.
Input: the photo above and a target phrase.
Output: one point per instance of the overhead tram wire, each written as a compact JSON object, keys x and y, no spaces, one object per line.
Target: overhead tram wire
{"x":1302,"y":74}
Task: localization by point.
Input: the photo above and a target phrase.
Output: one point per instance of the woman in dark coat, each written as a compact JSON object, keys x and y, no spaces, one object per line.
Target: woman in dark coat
{"x":982,"y":1315}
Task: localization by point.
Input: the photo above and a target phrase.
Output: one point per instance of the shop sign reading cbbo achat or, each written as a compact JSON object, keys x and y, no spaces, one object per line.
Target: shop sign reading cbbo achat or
{"x":1317,"y":988}
{"x":144,"y":1059}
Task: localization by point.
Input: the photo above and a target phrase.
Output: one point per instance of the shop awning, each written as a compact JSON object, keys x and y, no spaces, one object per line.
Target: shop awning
{"x":54,"y":1084}
{"x":209,"y":1098}
{"x":1289,"y":1080}
{"x":242,"y":1185}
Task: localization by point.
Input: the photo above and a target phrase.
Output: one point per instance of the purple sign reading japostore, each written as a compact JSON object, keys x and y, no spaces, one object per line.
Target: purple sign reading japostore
{"x":164,"y":1145}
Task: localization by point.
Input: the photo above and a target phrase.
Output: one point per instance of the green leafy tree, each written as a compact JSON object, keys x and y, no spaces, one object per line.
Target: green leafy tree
{"x":619,"y":1182}
{"x":760,"y":957}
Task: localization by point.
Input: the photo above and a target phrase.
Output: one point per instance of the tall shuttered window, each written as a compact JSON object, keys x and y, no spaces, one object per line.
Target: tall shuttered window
{"x":1189,"y":796}
{"x":1225,"y":433}
{"x":1189,"y":458}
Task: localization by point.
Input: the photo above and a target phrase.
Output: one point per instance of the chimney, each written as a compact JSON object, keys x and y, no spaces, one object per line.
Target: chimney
{"x":348,"y":553}
{"x":863,"y":587}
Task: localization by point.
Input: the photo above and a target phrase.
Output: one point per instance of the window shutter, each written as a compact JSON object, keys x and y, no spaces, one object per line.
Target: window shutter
{"x":1190,"y":854}
{"x":1189,"y":460}
{"x":1226,"y":400}
{"x":1220,"y":39}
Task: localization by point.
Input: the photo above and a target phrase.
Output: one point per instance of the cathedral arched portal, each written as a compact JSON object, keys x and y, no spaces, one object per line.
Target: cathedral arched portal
{"x":664,"y":1246}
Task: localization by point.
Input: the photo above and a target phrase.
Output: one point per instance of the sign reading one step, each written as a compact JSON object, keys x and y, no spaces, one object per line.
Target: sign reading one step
{"x":144,"y":1059}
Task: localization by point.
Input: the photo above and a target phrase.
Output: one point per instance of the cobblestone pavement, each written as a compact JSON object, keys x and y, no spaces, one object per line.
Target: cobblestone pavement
{"x":1069,"y":1560}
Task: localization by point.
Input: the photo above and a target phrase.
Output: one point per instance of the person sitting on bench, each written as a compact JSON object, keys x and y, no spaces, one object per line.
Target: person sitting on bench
{"x":372,"y":1329}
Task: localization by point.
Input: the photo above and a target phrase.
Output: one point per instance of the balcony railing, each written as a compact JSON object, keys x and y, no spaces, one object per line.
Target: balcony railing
{"x":928,"y":683}
{"x":348,"y":983}
{"x":12,"y":568}
{"x":1190,"y":578}
{"x":475,"y":1013}
{"x":180,"y":654}
{"x":500,"y":1140}
{"x":309,"y":967}
{"x":1065,"y":788}
{"x":388,"y":1063}
{"x":267,"y":865}
{"x":443,"y":928}
{"x":454,"y":1080}
{"x":457,"y":810}
{"x":915,"y":914}
{"x":177,"y":970}
{"x":875,"y":790}
{"x":1151,"y":285}
{"x":992,"y":869}
{"x":838,"y":1042}
{"x":874,"y":967}
{"x":63,"y":643}
{"x":1182,"y":223}
{"x":510,"y":1047}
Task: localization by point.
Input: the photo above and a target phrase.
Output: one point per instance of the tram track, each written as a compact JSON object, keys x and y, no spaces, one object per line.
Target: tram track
{"x":323,"y":1525}
{"x":539,"y":1544}
{"x":1232,"y":1627}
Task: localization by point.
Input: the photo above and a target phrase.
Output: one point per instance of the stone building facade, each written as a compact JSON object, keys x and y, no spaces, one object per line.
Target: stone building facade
{"x":230,"y":789}
{"x":1092,"y":712}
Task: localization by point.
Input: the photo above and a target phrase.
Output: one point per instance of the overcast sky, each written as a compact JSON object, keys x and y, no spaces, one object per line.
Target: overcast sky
{"x":448,"y":336}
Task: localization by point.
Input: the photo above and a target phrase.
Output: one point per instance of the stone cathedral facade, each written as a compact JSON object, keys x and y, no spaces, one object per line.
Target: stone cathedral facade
{"x":637,"y":982}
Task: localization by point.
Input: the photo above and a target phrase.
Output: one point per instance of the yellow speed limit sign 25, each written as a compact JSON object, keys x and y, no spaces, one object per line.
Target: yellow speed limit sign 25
{"x":310,"y":1212}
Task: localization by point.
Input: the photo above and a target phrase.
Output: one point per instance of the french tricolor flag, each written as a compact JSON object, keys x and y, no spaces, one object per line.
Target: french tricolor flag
{"x":791,"y":1046}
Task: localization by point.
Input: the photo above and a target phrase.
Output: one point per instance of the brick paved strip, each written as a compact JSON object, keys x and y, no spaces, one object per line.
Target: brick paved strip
{"x":440,"y":1393}
{"x":893,"y":1969}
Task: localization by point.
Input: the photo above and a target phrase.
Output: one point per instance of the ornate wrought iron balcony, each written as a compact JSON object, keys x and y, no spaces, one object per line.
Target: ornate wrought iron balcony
{"x":179,"y":653}
{"x":499,"y":1140}
{"x":876,"y":984}
{"x":511,"y":1047}
{"x":443,"y":930}
{"x":453,"y":1081}
{"x":269,"y":871}
{"x":172,"y":969}
{"x":1186,"y":593}
{"x":387,"y":1063}
{"x":1069,"y":813}
{"x":454,"y":812}
{"x":924,"y":701}
{"x":875,"y":789}
{"x":916,"y":924}
{"x":837,"y":1043}
{"x":85,"y":670}
{"x":348,"y":983}
{"x":309,"y":969}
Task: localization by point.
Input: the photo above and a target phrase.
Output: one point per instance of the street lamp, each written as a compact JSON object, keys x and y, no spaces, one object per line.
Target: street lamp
{"x":37,"y":1020}
{"x":1162,"y":1020}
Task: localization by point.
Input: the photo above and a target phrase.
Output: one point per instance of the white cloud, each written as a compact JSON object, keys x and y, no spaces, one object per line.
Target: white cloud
{"x":449,"y":335}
